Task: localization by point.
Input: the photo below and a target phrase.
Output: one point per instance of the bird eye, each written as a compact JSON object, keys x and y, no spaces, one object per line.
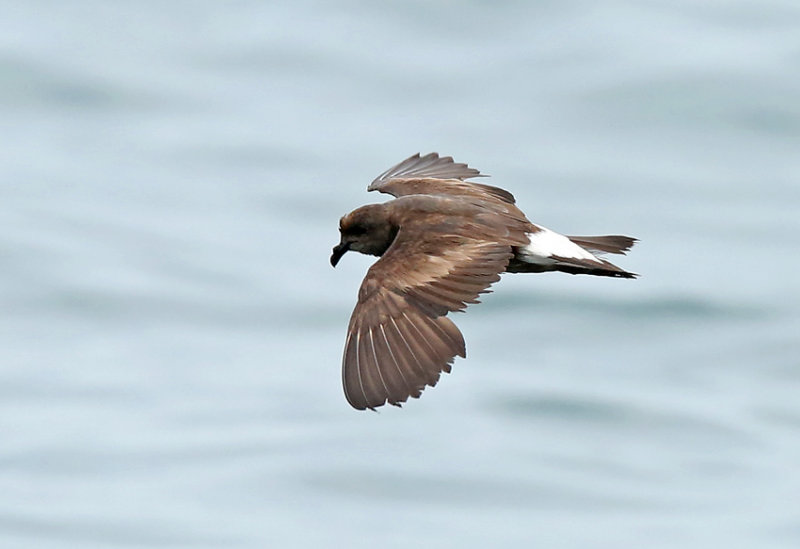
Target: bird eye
{"x":357,"y":230}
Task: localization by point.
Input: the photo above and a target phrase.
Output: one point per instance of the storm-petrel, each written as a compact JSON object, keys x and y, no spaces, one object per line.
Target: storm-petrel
{"x":442,"y":241}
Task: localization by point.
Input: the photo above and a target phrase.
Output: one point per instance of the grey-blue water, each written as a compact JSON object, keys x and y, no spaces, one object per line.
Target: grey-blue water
{"x":171,"y":177}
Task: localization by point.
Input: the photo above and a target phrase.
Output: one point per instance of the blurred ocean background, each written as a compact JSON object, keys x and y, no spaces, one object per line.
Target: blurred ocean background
{"x":171,"y":178}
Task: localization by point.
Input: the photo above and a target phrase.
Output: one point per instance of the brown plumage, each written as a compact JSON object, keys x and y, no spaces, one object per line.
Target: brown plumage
{"x":443,"y":241}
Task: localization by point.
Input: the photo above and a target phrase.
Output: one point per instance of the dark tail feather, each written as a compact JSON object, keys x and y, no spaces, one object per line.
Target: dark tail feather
{"x":612,"y":244}
{"x":580,"y":266}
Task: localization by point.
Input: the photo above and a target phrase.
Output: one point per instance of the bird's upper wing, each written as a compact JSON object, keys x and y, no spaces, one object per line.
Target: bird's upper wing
{"x":432,"y":174}
{"x":399,"y":339}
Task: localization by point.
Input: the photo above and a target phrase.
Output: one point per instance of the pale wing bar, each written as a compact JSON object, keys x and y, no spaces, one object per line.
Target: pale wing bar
{"x":399,"y":340}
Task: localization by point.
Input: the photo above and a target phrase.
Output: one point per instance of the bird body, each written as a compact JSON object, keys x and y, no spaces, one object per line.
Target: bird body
{"x":442,"y":242}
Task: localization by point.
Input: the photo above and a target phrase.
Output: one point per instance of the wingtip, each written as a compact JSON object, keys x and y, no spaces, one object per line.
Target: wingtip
{"x":430,"y":165}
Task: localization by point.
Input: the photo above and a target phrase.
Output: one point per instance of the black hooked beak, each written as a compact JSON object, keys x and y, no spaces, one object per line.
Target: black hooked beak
{"x":338,"y":251}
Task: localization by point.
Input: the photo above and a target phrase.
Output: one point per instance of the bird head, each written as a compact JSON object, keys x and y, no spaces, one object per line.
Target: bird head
{"x":367,"y":230}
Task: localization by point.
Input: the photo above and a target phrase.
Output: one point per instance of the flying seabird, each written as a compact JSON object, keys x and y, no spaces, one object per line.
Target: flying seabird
{"x":442,"y":241}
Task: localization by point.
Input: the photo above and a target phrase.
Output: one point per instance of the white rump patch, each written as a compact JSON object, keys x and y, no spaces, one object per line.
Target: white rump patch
{"x":546,"y":243}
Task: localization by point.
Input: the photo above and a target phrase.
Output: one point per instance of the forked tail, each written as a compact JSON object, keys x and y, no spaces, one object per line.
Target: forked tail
{"x":551,"y":251}
{"x":612,"y":244}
